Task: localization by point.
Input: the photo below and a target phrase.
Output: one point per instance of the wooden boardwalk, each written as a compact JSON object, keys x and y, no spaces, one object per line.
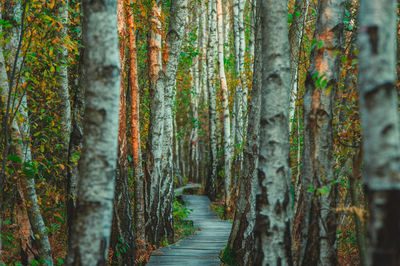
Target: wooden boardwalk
{"x":204,"y":246}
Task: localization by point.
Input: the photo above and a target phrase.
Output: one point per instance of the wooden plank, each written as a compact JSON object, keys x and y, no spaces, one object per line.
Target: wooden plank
{"x":202,"y":248}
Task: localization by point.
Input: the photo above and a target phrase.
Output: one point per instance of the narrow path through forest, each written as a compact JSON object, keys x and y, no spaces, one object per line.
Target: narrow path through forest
{"x":204,"y":246}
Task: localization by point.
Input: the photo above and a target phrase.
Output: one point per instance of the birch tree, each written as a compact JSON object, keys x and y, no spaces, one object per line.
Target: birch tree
{"x":62,"y":80}
{"x":296,"y":30}
{"x":195,"y":95}
{"x":122,"y":236}
{"x":380,"y":121}
{"x":159,"y":161}
{"x":139,"y":212}
{"x":241,"y":239}
{"x":92,"y":224}
{"x":225,"y":106}
{"x":273,"y":215}
{"x":318,"y":192}
{"x":240,"y":100}
{"x":20,"y":134}
{"x":212,"y":98}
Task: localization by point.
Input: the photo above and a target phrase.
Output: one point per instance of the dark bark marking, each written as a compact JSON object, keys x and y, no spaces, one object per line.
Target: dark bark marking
{"x":372,"y":32}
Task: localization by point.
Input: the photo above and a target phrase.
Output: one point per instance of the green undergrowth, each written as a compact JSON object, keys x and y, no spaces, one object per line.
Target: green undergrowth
{"x":223,"y":212}
{"x":183,"y":227}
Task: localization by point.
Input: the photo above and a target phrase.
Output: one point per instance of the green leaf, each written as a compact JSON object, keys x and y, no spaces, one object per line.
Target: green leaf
{"x":14,"y":158}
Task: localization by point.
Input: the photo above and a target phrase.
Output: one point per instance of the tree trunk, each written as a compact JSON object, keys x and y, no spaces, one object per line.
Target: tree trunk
{"x":319,"y":190}
{"x":194,"y":98}
{"x":20,"y":136}
{"x":156,"y":127}
{"x":92,"y":224}
{"x":241,"y":239}
{"x":273,"y":214}
{"x":240,"y":101}
{"x":225,"y":107}
{"x":139,"y":212}
{"x":295,"y":37}
{"x":212,"y":99}
{"x":122,"y":235}
{"x":175,"y":36}
{"x":380,"y":122}
{"x":160,"y":194}
{"x":62,"y":82}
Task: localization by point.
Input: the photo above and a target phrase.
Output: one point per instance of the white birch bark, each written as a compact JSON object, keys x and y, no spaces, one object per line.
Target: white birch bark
{"x":194,"y":98}
{"x":241,"y":239}
{"x":225,"y":105}
{"x":273,"y":214}
{"x":62,"y":81}
{"x":295,"y":37}
{"x":240,"y":101}
{"x":203,"y":51}
{"x":159,"y":165}
{"x":212,"y":98}
{"x":381,"y":132}
{"x":92,"y":224}
{"x":156,"y":127}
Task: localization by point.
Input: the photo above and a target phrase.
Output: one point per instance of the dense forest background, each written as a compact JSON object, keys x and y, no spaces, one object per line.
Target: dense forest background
{"x":285,"y":112}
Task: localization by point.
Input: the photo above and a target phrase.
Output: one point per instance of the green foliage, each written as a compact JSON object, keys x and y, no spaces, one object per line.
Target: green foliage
{"x":181,"y":212}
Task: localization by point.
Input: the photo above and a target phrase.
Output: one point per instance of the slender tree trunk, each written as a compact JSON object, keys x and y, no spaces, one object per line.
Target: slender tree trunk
{"x":317,"y":218}
{"x":122,"y":236}
{"x":139,"y":207}
{"x":159,"y":165}
{"x":92,"y":224}
{"x":241,"y":239}
{"x":75,"y":145}
{"x":225,"y":107}
{"x":20,"y":136}
{"x":380,"y":121}
{"x":194,"y":135}
{"x":212,"y":99}
{"x":295,"y":37}
{"x":156,"y":128}
{"x":62,"y":82}
{"x":175,"y":36}
{"x":240,"y":101}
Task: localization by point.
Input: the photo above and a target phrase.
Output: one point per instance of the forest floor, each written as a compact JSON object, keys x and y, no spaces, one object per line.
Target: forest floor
{"x":202,"y":248}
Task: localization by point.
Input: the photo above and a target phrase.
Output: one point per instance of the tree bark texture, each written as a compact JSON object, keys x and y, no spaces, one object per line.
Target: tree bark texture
{"x":295,"y":37}
{"x":92,"y":224}
{"x":212,"y":98}
{"x":225,"y":106}
{"x":318,"y":193}
{"x":380,"y":122}
{"x":122,"y":236}
{"x":241,"y":239}
{"x":273,"y":214}
{"x":159,"y":161}
{"x":139,"y":212}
